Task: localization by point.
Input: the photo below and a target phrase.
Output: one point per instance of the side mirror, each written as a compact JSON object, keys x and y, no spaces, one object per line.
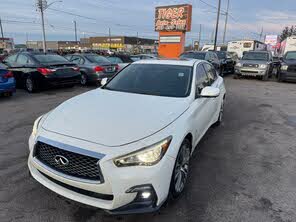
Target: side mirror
{"x":210,"y":92}
{"x":104,"y":81}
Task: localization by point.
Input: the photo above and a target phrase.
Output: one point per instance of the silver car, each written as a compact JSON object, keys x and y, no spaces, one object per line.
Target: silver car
{"x":255,"y":63}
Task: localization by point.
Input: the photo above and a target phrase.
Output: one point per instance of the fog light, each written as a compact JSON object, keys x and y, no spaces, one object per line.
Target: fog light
{"x":145,"y":195}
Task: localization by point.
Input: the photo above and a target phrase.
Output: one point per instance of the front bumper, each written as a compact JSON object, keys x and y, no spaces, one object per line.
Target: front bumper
{"x":288,"y":76}
{"x":111,"y":195}
{"x":250,"y":71}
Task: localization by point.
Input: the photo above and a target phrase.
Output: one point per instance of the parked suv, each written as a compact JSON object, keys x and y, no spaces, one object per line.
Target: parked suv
{"x":34,"y":70}
{"x":287,"y":70}
{"x":209,"y":56}
{"x":255,"y":63}
{"x":126,"y":147}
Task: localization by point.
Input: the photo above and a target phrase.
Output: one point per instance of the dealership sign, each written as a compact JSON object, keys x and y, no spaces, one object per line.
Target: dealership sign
{"x":173,"y":18}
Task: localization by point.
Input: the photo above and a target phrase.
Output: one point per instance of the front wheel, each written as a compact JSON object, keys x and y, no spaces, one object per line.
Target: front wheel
{"x":181,"y":169}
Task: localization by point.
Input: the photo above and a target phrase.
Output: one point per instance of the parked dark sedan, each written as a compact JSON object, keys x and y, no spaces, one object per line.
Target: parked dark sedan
{"x":93,"y":67}
{"x":209,"y":56}
{"x":34,"y":70}
{"x":120,"y":59}
{"x":7,"y":82}
{"x":227,"y":62}
{"x":287,"y":69}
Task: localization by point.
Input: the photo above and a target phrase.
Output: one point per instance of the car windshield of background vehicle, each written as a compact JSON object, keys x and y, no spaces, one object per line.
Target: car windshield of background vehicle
{"x":256,"y":56}
{"x":44,"y":59}
{"x":153,"y":79}
{"x":222,"y":55}
{"x":97,"y":59}
{"x":201,"y":56}
{"x":291,"y":56}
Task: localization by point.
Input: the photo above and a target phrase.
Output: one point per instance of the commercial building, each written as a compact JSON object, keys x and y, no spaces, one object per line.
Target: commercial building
{"x":114,"y":43}
{"x":124,"y":43}
{"x":6,"y":43}
{"x":57,"y":45}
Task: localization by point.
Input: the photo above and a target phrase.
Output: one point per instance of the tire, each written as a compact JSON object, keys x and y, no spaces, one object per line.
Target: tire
{"x":83,"y":80}
{"x":181,"y":170}
{"x":30,"y":85}
{"x":220,"y":118}
{"x":279,"y":77}
{"x":265,"y":77}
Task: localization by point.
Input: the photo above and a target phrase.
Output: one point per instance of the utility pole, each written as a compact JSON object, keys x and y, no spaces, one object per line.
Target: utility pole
{"x":2,"y":34}
{"x":226,"y":20}
{"x":199,"y":35}
{"x":109,"y":39}
{"x":75,"y":29}
{"x":217,"y":25}
{"x":261,"y":34}
{"x":42,"y":5}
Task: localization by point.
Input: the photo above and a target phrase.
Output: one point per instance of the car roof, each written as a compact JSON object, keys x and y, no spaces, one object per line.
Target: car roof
{"x":197,"y":52}
{"x":180,"y":62}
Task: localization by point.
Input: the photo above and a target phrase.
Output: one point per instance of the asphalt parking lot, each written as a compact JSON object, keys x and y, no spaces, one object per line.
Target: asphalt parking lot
{"x":242,"y":171}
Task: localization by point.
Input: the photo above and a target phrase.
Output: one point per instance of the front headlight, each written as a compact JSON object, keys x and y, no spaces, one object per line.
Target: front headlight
{"x":262,"y":66}
{"x":284,"y":67}
{"x":238,"y":64}
{"x":148,"y":156}
{"x":36,"y":126}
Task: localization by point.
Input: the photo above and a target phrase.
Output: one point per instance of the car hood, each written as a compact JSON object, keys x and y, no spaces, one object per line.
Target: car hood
{"x":113,"y":118}
{"x":290,"y":62}
{"x":253,"y":62}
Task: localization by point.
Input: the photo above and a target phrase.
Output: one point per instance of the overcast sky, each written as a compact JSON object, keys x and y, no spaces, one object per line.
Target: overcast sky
{"x":127,"y":17}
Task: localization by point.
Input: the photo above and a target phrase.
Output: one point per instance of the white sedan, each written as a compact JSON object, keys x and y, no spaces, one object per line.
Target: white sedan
{"x":126,"y":146}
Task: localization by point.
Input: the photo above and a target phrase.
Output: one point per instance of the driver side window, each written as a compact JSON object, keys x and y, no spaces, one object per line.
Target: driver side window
{"x":202,"y":79}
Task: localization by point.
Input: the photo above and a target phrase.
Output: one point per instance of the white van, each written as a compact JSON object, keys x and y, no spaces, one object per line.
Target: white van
{"x":288,"y":45}
{"x":239,"y":47}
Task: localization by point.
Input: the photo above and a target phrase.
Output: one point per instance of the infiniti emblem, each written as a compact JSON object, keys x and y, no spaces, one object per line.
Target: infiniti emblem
{"x":61,"y":160}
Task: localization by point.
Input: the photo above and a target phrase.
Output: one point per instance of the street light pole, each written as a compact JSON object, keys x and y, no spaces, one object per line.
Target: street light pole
{"x":42,"y":6}
{"x":2,"y":34}
{"x":226,"y":20}
{"x":217,"y":25}
{"x":75,"y":28}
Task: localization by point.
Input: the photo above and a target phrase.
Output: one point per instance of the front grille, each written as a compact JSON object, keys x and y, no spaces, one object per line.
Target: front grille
{"x":78,"y":165}
{"x":292,"y":68}
{"x":250,"y":65}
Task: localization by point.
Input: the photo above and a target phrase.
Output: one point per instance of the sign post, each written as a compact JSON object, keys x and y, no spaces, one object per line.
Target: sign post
{"x":172,"y":22}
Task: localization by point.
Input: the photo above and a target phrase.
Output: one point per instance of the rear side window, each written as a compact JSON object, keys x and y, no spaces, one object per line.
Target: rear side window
{"x":23,"y":60}
{"x":211,"y":72}
{"x":202,"y":79}
{"x":11,"y":59}
{"x":115,"y":60}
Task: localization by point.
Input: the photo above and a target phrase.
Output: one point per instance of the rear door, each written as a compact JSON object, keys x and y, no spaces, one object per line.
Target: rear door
{"x":216,"y":82}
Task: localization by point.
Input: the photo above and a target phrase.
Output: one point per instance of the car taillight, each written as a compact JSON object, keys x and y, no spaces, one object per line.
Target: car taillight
{"x":99,"y":69}
{"x":45,"y":71}
{"x":76,"y":68}
{"x":8,"y":75}
{"x":117,"y":67}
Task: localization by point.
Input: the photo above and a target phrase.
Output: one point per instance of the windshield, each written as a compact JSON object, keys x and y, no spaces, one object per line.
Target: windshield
{"x":193,"y":56}
{"x":50,"y":59}
{"x":222,"y":55}
{"x":97,"y":59}
{"x":153,"y":79}
{"x":291,"y":56}
{"x":255,"y":56}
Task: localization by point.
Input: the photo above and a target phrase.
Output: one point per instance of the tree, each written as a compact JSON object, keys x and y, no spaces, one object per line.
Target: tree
{"x":287,"y":32}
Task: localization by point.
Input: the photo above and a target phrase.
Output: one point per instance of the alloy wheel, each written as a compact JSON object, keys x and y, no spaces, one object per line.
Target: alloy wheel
{"x":182,"y":168}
